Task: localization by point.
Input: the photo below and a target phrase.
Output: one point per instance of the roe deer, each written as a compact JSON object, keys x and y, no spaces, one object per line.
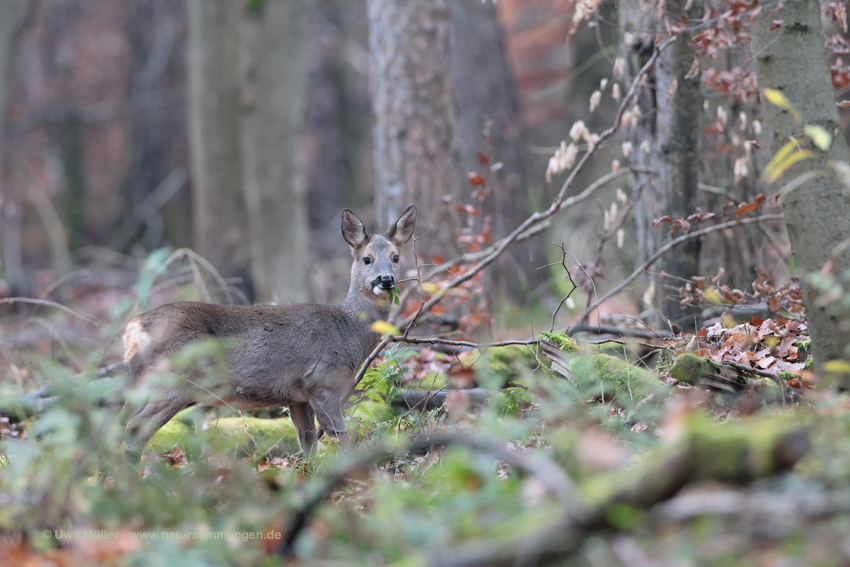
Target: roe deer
{"x":303,"y":356}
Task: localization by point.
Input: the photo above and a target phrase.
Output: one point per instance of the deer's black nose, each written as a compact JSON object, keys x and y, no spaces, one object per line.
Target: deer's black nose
{"x":387,"y":282}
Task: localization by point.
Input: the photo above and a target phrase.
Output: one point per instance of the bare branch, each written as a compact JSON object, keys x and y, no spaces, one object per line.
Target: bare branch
{"x":661,"y":251}
{"x":370,"y":359}
{"x":78,"y":314}
{"x":438,"y":341}
{"x":559,"y":203}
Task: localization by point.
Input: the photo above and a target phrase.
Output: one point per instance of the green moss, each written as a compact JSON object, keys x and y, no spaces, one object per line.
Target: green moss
{"x":367,"y":413}
{"x":688,"y":368}
{"x":565,"y":342}
{"x":809,"y":364}
{"x":229,"y":434}
{"x":255,"y":6}
{"x":506,"y":364}
{"x":615,"y":375}
{"x":736,"y":450}
{"x":731,"y":451}
{"x":769,"y":390}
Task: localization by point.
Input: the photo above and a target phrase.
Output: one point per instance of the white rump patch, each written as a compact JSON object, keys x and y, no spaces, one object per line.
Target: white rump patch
{"x":136,"y":340}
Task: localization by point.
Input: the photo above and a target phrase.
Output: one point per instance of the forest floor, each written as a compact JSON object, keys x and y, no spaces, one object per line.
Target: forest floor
{"x":714,"y":448}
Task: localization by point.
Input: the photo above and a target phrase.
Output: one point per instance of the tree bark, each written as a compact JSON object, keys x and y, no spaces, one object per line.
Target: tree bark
{"x":220,"y":220}
{"x":415,"y":155}
{"x":12,"y":15}
{"x":327,"y":164}
{"x":666,"y":139}
{"x":637,"y":21}
{"x":792,"y":59}
{"x":272,"y":97}
{"x":678,"y":102}
{"x":487,"y":111}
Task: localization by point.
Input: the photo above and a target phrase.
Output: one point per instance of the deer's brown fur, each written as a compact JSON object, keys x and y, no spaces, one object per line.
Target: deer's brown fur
{"x":302,"y":356}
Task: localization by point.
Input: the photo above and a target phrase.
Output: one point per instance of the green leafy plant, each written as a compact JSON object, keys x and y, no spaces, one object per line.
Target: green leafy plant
{"x":383,"y":382}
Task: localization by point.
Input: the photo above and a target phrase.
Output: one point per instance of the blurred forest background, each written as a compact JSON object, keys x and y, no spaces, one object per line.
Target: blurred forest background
{"x":649,"y":200}
{"x":241,"y":129}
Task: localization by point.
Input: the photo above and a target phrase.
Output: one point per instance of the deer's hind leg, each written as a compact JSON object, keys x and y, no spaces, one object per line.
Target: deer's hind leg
{"x":305,"y":424}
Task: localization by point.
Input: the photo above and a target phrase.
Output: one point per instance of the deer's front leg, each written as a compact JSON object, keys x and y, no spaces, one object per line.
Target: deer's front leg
{"x":328,"y":408}
{"x":304,"y":421}
{"x":148,"y":420}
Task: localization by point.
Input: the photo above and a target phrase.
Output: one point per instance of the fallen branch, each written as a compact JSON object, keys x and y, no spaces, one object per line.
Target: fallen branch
{"x":429,"y":341}
{"x":431,"y":399}
{"x":620,"y":331}
{"x":751,"y":450}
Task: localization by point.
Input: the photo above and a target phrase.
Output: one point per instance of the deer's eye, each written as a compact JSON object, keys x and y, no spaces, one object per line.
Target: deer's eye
{"x":395,"y":258}
{"x":367,"y":260}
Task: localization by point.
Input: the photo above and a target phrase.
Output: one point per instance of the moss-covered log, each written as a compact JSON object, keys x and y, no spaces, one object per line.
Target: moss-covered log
{"x":699,"y":449}
{"x":614,"y":377}
{"x":691,"y":369}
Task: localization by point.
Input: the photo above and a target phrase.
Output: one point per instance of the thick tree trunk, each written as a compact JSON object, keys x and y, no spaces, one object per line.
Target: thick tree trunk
{"x":220,"y":221}
{"x":678,"y":106}
{"x":12,"y":13}
{"x":272,"y":97}
{"x":486,"y":101}
{"x":637,"y":22}
{"x":415,"y":156}
{"x":666,"y":139}
{"x":327,"y":167}
{"x":159,"y":138}
{"x":792,"y":59}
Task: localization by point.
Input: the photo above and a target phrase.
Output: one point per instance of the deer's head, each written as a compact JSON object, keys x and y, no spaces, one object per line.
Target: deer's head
{"x":375,"y":268}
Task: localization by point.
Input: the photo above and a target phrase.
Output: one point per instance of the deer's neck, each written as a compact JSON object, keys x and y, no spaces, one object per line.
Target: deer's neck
{"x":358,"y":304}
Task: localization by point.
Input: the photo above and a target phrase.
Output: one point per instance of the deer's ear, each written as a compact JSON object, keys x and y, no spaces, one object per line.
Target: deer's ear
{"x":352,"y":229}
{"x":402,"y":229}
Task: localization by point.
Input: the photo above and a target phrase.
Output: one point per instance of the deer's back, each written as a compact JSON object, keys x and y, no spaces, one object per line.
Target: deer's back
{"x":272,"y":351}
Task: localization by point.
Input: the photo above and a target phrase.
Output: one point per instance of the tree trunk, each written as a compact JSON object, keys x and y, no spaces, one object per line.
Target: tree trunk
{"x":486,"y":101}
{"x":415,"y":157}
{"x":792,"y":59}
{"x":219,"y":213}
{"x":272,"y":97}
{"x":678,"y":104}
{"x":666,"y":139}
{"x":158,"y":136}
{"x":637,"y":21}
{"x":327,"y":168}
{"x":12,"y":14}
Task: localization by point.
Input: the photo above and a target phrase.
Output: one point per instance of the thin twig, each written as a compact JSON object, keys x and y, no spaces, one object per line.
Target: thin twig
{"x":566,"y":297}
{"x":371,"y":358}
{"x":80,"y":315}
{"x":560,"y":201}
{"x":660,"y":252}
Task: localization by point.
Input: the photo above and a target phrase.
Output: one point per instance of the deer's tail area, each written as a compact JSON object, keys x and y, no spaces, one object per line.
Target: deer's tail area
{"x":137,"y":345}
